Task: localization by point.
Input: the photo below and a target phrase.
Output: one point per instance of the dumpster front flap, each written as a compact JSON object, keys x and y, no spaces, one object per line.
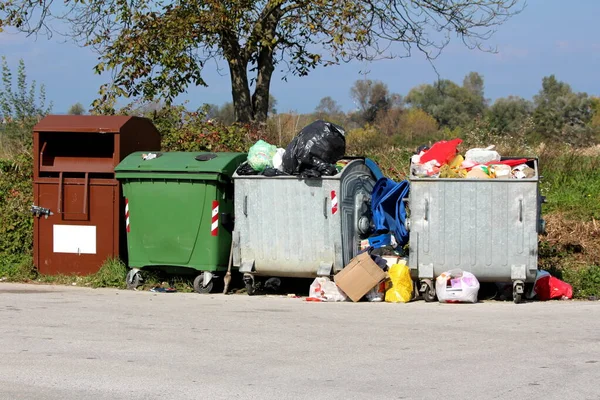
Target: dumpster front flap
{"x":178,"y":164}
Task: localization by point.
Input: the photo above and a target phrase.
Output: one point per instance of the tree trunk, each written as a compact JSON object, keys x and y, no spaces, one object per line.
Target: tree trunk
{"x":260,"y":98}
{"x":242,"y":103}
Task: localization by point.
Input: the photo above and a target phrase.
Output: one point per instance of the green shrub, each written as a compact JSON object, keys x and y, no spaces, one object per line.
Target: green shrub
{"x":16,"y":268}
{"x":16,"y":197}
{"x":112,"y":273}
{"x":585,"y":281}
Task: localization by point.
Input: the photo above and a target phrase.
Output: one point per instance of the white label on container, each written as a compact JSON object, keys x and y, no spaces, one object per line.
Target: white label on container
{"x":75,"y":239}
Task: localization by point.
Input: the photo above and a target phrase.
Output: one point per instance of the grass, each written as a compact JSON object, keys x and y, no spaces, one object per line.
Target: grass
{"x":16,"y":268}
{"x":571,"y":184}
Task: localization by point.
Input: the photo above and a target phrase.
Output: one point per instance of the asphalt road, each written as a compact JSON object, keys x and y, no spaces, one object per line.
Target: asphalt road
{"x":74,"y":343}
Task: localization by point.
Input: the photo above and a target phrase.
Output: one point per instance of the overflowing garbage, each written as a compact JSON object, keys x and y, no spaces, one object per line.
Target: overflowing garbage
{"x":442,"y":160}
{"x":381,"y":272}
{"x":317,"y":150}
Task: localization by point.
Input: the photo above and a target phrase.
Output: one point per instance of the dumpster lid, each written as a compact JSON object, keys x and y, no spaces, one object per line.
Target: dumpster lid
{"x":84,"y":123}
{"x":187,"y":162}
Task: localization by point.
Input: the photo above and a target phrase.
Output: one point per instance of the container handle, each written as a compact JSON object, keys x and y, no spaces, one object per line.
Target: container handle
{"x":61,"y":190}
{"x":246,"y":206}
{"x":520,"y":210}
{"x":325,"y":207}
{"x":426,"y":216}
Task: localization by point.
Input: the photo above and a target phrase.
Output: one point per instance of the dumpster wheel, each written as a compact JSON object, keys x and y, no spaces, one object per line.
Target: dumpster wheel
{"x":518,"y":289}
{"x":200,"y":288}
{"x":133,"y":279}
{"x":428,"y":290}
{"x":250,"y":285}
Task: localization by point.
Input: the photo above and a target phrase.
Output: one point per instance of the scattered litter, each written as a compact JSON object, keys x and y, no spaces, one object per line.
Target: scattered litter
{"x":377,"y":294}
{"x":149,"y":156}
{"x":323,"y":289}
{"x":360,"y":276}
{"x":159,"y":289}
{"x":401,"y":289}
{"x":548,"y":287}
{"x":457,"y":286}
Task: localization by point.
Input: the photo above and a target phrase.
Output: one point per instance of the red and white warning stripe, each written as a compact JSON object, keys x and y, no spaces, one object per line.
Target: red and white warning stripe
{"x":334,"y":203}
{"x":127,"y":216}
{"x":214,"y":226}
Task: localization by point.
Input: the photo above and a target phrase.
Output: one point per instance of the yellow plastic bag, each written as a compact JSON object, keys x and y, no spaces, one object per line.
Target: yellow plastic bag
{"x":401,"y":290}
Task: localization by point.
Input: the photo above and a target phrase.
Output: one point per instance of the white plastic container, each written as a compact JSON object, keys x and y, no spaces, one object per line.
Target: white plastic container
{"x":482,"y":156}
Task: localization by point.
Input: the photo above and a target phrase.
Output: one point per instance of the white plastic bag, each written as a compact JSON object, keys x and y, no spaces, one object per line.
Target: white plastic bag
{"x":278,"y":159}
{"x":377,"y":294}
{"x":457,"y":286}
{"x":482,"y":156}
{"x":324,"y":289}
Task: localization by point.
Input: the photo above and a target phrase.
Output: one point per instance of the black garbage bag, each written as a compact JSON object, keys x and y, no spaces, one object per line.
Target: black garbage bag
{"x":246,"y":169}
{"x":316,"y":148}
{"x":273,"y":172}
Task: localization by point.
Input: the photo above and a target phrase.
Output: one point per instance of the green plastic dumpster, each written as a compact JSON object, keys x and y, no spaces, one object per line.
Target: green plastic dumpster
{"x":179,"y":213}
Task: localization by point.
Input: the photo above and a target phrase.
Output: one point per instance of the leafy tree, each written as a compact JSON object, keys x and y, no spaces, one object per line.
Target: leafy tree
{"x":327,"y":107}
{"x":158,"y":48}
{"x":595,"y":122}
{"x":451,"y":105}
{"x":272,"y":105}
{"x":372,"y":98}
{"x":76,"y":109}
{"x":508,"y":114}
{"x":417,"y":124}
{"x":561,"y":113}
{"x":21,"y":106}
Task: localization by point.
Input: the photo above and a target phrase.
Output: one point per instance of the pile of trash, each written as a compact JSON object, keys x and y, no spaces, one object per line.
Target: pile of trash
{"x":367,"y":277}
{"x":373,"y":278}
{"x":442,"y":160}
{"x":317,"y":150}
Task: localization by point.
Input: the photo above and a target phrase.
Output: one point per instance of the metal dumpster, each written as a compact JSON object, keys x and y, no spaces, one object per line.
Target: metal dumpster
{"x":488,"y":227}
{"x":77,"y":200}
{"x":291,"y":227}
{"x":179,"y":209}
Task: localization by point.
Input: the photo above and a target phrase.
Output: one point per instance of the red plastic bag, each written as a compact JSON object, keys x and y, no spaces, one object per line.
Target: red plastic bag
{"x":443,"y":151}
{"x":549,"y":287}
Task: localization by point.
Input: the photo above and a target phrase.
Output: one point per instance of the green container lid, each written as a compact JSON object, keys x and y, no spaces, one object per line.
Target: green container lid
{"x":180,"y":165}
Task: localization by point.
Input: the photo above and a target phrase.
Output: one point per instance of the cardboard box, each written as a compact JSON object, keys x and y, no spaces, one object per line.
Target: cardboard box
{"x":359,"y":276}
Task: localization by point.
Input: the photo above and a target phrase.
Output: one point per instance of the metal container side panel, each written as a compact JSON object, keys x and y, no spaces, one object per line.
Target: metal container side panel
{"x":170,"y":224}
{"x":484,"y":227}
{"x":287,"y":225}
{"x":75,"y":240}
{"x":138,"y":134}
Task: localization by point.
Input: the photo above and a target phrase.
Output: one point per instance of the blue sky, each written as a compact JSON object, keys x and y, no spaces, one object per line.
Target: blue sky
{"x":548,"y":37}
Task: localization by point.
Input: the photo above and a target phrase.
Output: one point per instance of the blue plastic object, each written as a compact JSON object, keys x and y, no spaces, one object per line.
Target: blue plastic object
{"x":389,"y":210}
{"x":380,"y":240}
{"x":374,"y":168}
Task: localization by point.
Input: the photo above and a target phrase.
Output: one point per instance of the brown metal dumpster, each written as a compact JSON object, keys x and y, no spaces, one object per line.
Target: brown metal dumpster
{"x":78,"y":205}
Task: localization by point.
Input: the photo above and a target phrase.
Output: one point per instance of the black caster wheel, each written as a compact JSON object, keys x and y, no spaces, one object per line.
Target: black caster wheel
{"x":199,"y":285}
{"x":429,"y":293}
